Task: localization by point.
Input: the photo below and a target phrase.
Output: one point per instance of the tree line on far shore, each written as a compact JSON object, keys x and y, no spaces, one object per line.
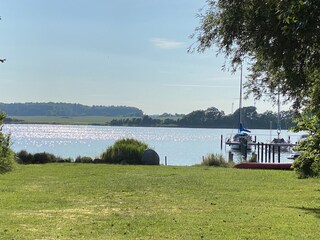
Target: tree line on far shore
{"x":131,"y":116}
{"x":67,"y":109}
{"x":214,"y":118}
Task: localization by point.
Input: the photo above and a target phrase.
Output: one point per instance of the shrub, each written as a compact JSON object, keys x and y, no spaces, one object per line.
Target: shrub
{"x":98,"y":160}
{"x":63,"y":160}
{"x":23,"y":157}
{"x":41,"y":158}
{"x":214,"y":160}
{"x":125,"y":151}
{"x":7,"y":158}
{"x":80,"y":159}
{"x":307,"y":165}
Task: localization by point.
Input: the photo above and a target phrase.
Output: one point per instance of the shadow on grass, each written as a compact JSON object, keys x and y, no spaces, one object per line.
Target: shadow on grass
{"x":313,"y":211}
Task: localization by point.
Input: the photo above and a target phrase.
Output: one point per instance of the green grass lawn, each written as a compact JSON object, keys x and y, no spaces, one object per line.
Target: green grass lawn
{"x":88,"y":201}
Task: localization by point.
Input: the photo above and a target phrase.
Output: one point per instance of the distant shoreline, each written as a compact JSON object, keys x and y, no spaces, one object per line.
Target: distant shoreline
{"x":77,"y":114}
{"x":92,"y":121}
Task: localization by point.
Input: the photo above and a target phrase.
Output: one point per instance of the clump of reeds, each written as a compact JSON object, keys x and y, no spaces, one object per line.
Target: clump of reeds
{"x":216,"y":160}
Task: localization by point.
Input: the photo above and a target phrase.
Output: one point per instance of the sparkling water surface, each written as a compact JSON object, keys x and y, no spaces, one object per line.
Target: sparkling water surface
{"x":181,"y":146}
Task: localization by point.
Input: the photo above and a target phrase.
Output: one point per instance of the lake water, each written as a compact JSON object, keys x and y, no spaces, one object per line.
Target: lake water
{"x":181,"y":146}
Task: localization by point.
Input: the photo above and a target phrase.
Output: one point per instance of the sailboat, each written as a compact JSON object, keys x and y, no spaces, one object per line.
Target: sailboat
{"x":243,"y":133}
{"x":279,"y":141}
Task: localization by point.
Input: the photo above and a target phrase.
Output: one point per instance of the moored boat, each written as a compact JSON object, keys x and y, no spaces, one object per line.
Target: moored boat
{"x":242,"y":138}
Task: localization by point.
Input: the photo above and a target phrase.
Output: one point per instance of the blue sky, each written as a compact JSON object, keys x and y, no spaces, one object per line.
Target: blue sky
{"x":106,"y":52}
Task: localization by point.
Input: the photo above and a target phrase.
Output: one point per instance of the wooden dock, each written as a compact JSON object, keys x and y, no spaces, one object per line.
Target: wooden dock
{"x":262,"y":144}
{"x":265,"y":152}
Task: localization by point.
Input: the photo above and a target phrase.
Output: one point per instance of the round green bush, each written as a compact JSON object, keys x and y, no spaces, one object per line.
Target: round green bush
{"x":125,"y":151}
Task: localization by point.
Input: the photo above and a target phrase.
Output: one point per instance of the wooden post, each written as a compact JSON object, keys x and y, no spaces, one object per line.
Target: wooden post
{"x":221,"y":141}
{"x":273,"y":153}
{"x":266,"y":153}
{"x":270,"y":148}
{"x":262,"y":152}
{"x":258,"y":158}
{"x":230,"y":159}
{"x":255,"y":141}
{"x":244,"y":147}
{"x":165,"y":160}
{"x":278,"y":153}
{"x":246,"y":151}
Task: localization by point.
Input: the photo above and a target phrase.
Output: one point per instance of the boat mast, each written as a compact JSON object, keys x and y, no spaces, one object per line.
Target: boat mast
{"x":278,"y":127}
{"x":240,"y":100}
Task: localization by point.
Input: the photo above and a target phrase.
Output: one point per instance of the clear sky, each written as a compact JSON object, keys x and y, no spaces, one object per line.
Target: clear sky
{"x":112,"y":52}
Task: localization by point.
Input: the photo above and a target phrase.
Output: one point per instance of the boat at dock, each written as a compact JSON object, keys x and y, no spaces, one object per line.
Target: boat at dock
{"x":241,"y":140}
{"x":278,"y":140}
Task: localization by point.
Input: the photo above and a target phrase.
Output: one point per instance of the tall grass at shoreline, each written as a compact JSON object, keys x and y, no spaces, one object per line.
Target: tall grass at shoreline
{"x":216,"y":160}
{"x":87,"y":201}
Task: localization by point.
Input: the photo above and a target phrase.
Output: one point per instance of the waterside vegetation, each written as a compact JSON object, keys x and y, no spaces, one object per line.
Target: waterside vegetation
{"x":123,"y":151}
{"x":216,"y":160}
{"x":7,"y":157}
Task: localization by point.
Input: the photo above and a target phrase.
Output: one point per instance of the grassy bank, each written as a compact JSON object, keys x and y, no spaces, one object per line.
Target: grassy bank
{"x":84,"y":201}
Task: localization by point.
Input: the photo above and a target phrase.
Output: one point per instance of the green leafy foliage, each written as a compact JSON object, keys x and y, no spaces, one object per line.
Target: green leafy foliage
{"x":308,"y":163}
{"x":23,"y":157}
{"x":81,"y":159}
{"x":125,"y":151}
{"x":279,"y":39}
{"x":7,"y":158}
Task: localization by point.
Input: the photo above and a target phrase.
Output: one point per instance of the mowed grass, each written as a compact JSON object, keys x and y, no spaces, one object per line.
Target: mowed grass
{"x":89,"y":201}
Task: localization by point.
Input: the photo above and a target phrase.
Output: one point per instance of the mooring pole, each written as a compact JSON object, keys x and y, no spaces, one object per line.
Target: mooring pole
{"x":266,"y":153}
{"x":258,"y":157}
{"x":273,"y":153}
{"x":262,"y":152}
{"x":270,"y":148}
